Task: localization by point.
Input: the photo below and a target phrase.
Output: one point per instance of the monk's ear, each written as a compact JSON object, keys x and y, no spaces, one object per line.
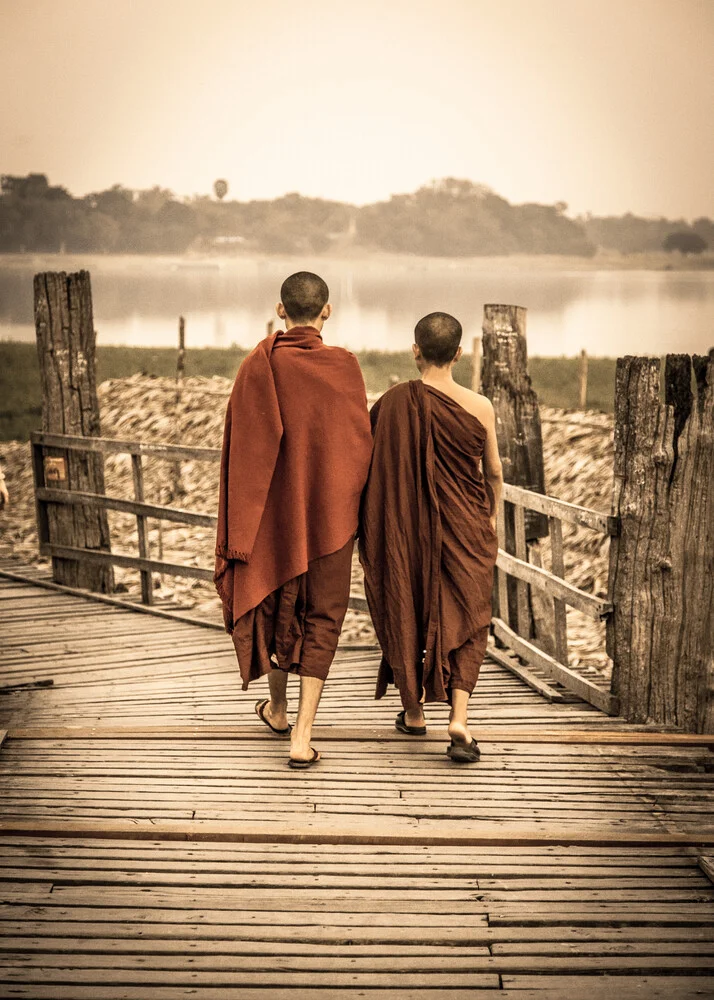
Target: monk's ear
{"x":280,"y":310}
{"x":416,"y":351}
{"x":458,"y":354}
{"x":326,"y":311}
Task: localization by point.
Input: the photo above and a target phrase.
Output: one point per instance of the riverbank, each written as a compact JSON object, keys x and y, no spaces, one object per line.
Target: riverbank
{"x":554,"y":379}
{"x":603,"y":260}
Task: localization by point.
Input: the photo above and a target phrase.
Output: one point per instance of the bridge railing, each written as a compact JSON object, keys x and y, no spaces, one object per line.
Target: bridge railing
{"x":512,"y":621}
{"x":53,"y":489}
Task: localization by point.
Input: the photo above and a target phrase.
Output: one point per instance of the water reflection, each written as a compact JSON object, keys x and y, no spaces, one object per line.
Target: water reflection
{"x":376,"y":303}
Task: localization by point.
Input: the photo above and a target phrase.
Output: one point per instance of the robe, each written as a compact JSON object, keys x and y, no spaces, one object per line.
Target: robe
{"x":296,"y":451}
{"x":427,"y":546}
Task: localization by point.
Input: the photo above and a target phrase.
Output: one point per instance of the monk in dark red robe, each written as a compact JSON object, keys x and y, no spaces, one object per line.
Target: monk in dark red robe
{"x":296,"y":451}
{"x":428,"y":534}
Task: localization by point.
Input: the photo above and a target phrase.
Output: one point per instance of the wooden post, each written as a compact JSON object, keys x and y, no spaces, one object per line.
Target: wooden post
{"x":177,"y":488}
{"x":476,"y":364}
{"x":64,"y":326}
{"x":506,"y":382}
{"x":137,"y":471}
{"x":661,"y":634}
{"x":583,"y":380}
{"x":269,"y":327}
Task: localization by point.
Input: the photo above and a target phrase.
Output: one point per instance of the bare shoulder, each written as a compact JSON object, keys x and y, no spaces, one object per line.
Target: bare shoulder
{"x":479,"y":406}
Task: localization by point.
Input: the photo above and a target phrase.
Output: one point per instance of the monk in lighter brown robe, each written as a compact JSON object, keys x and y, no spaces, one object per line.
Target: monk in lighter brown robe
{"x":296,"y":451}
{"x":428,"y":535}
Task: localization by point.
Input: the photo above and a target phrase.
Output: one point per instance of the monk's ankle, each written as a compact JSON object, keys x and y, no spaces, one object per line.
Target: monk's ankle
{"x":277,"y":712}
{"x":414,"y":717}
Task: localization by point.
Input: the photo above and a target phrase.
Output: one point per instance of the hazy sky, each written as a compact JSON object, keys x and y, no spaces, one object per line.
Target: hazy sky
{"x":606,"y":105}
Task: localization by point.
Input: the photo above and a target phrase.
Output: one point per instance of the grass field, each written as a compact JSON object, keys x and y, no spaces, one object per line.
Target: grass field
{"x":554,"y":379}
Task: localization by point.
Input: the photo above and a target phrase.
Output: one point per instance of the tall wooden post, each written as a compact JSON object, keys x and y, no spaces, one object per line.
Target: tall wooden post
{"x":177,"y":487}
{"x":66,"y":347}
{"x":661,"y":635}
{"x":506,"y":382}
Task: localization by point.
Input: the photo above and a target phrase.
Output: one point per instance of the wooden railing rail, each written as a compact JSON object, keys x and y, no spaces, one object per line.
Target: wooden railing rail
{"x":517,"y":634}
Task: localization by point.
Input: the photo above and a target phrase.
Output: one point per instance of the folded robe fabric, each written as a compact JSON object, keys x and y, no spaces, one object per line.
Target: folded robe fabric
{"x":426,"y":542}
{"x":296,"y":450}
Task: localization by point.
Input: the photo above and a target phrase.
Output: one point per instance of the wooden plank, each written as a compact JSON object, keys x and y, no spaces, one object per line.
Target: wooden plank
{"x":175,"y":514}
{"x":501,"y":578}
{"x":706,"y":863}
{"x":115,"y":602}
{"x":494,"y":734}
{"x":593,"y":607}
{"x":536,"y":684}
{"x":169,"y":452}
{"x":505,"y":735}
{"x":131,"y":562}
{"x":560,"y":509}
{"x":560,"y":621}
{"x":571,"y":680}
{"x":324,"y":830}
{"x":137,"y":472}
{"x":523,"y":615}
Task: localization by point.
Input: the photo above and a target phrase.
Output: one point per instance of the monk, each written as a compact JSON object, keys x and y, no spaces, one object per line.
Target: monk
{"x":296,"y":452}
{"x":428,"y":535}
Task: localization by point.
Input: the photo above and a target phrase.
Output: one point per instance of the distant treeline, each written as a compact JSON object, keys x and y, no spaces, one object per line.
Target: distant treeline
{"x":446,"y":218}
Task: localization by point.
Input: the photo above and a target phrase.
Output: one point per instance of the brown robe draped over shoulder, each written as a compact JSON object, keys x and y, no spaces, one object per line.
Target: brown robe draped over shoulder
{"x":296,"y":450}
{"x":426,"y":543}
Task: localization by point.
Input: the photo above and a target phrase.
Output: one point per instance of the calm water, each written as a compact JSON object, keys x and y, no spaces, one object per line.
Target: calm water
{"x":376,"y":304}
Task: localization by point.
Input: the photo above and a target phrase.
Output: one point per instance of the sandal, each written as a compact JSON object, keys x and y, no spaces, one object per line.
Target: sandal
{"x":401,"y":726}
{"x":462,"y":753}
{"x":302,"y":765}
{"x":260,"y":712}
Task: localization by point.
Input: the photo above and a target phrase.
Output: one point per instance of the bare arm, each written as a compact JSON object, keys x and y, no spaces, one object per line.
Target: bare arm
{"x":492,"y":468}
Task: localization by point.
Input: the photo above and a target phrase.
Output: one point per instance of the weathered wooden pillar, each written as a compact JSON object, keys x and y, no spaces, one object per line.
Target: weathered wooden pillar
{"x":506,"y":382}
{"x":66,"y":347}
{"x":661,"y":635}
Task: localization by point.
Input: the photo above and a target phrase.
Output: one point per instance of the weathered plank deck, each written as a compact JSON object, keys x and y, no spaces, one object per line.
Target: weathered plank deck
{"x":181,"y":857}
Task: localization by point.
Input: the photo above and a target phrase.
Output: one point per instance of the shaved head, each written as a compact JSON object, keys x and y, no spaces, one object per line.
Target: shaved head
{"x":438,"y":337}
{"x":304,"y":295}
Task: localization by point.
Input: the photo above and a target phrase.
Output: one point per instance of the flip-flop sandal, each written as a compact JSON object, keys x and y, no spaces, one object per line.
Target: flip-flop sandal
{"x":462,"y":753}
{"x":260,"y":712}
{"x":401,"y":726}
{"x":302,"y":765}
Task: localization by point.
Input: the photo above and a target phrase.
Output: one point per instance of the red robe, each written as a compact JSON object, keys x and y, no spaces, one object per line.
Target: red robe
{"x":426,"y":542}
{"x":296,"y":451}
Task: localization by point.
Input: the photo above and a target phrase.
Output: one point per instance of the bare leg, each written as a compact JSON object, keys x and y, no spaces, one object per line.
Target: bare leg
{"x":414,"y":716}
{"x":310,"y":692}
{"x":458,"y":720}
{"x":276,"y":711}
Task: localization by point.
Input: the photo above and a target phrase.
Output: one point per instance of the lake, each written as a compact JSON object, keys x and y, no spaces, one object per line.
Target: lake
{"x":376,"y":302}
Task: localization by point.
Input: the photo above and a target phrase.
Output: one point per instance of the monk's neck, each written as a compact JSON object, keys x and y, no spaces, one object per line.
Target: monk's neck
{"x":437,"y":377}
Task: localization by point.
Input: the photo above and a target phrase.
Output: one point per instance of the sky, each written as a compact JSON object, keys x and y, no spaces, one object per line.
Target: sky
{"x":603,"y":104}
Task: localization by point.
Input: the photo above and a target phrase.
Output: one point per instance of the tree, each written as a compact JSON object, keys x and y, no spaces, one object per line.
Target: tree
{"x":220,"y":189}
{"x":685,"y":241}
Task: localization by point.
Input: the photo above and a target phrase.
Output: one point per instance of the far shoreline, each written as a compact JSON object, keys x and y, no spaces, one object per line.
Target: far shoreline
{"x":601,"y":261}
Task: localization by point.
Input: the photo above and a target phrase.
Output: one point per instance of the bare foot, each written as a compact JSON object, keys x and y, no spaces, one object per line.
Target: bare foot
{"x":460,"y":733}
{"x":302,"y":751}
{"x":277,"y":715}
{"x":414,"y":717}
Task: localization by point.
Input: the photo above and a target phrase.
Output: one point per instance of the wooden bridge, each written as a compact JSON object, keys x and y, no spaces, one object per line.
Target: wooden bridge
{"x":154,"y":843}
